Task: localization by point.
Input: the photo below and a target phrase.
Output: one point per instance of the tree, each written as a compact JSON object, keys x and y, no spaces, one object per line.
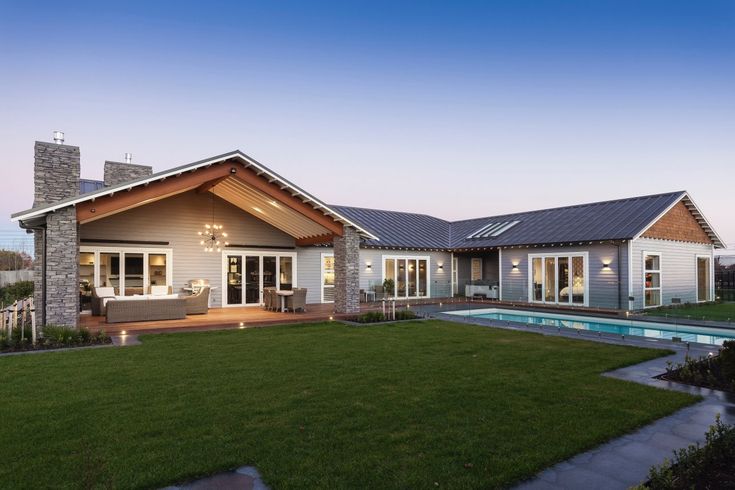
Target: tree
{"x":11,"y":260}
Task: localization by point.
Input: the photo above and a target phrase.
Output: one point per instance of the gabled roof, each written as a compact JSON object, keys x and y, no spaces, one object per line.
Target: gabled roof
{"x":620,"y":219}
{"x":236,"y":155}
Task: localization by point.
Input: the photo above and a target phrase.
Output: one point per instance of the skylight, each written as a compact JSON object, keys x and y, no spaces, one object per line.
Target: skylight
{"x":494,"y":229}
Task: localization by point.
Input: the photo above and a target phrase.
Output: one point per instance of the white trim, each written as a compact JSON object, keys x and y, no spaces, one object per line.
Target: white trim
{"x":660,"y":278}
{"x":321,"y":275}
{"x":556,"y":257}
{"x":283,"y":183}
{"x":500,"y":274}
{"x":121,"y":251}
{"x":710,"y":286}
{"x":630,"y":274}
{"x":261,"y":253}
{"x":427,"y":258}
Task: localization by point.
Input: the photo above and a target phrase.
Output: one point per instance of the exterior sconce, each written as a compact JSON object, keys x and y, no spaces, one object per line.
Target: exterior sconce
{"x":441,"y":267}
{"x":605,"y":266}
{"x":515,"y":267}
{"x":369,"y":267}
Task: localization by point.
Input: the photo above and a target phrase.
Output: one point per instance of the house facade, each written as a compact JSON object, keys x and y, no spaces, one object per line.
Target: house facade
{"x":137,"y":229}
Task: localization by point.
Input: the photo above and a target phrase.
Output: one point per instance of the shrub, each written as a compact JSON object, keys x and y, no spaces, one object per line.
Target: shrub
{"x":17,"y":291}
{"x":698,"y":466}
{"x":371,"y":317}
{"x":727,"y":362}
{"x":717,"y":372}
{"x":405,"y":315}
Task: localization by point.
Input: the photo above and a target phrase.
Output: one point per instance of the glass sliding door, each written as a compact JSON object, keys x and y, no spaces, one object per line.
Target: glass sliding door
{"x":704,"y":291}
{"x":537,"y":284}
{"x":252,"y":280}
{"x":550,"y":282}
{"x":578,"y":296}
{"x":285,"y":273}
{"x":412,"y":277}
{"x":156,"y":270}
{"x":390,"y":273}
{"x":401,"y":278}
{"x":110,"y":270}
{"x":423,"y":278}
{"x":129,"y":270}
{"x":133,"y":274}
{"x":558,"y":279}
{"x":234,"y":279}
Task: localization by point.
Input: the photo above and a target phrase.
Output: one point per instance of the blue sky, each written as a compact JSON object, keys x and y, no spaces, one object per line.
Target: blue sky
{"x":456,"y":109}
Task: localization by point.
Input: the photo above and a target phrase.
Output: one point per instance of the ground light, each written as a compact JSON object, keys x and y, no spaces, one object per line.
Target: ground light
{"x":242,"y":325}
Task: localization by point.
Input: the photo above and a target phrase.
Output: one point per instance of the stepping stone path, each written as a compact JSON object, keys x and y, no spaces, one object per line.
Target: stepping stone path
{"x":243,"y":478}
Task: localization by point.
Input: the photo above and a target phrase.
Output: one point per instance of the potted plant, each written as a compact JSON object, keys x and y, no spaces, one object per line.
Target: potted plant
{"x":389,"y":287}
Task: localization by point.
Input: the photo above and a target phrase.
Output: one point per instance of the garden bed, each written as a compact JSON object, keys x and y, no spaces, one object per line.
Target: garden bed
{"x":378,"y":318}
{"x":715,"y":372}
{"x":708,"y":466}
{"x":51,"y":337}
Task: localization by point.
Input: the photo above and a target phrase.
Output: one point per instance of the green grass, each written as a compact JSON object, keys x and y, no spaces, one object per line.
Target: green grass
{"x":710,"y":311}
{"x":318,"y":406}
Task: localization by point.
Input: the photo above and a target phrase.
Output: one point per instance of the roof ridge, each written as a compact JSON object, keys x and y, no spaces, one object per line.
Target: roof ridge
{"x":571,"y":206}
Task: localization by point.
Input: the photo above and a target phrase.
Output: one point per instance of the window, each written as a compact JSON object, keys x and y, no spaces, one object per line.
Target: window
{"x":476,"y":270}
{"x":129,"y":270}
{"x":491,"y":230}
{"x":704,"y":276}
{"x":651,"y":280}
{"x":410,"y":276}
{"x":558,"y":279}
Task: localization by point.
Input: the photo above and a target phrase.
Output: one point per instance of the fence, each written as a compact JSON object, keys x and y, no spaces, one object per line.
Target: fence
{"x":15,"y":319}
{"x":11,"y":277}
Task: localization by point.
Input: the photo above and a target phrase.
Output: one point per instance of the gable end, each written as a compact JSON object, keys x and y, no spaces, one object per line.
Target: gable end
{"x":678,"y":224}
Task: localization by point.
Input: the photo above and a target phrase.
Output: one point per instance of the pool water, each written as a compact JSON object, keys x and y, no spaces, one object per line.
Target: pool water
{"x":687,"y":333}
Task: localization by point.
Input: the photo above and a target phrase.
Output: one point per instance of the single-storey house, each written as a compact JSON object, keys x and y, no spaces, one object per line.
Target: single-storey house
{"x":231,"y":221}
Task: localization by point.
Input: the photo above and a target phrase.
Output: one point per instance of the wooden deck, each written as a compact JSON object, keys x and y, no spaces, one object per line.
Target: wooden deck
{"x":216,"y":319}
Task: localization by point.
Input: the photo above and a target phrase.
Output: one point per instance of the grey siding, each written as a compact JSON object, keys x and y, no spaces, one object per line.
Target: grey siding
{"x":176,"y":220}
{"x":606,"y":288}
{"x":678,"y":269}
{"x":309,"y":268}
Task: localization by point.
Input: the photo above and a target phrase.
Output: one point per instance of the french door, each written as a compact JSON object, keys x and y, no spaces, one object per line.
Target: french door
{"x":246,"y":274}
{"x":558,"y":279}
{"x":410,"y":276}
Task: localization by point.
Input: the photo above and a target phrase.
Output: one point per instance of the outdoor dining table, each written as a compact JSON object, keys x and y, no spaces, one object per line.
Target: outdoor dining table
{"x":282,"y":295}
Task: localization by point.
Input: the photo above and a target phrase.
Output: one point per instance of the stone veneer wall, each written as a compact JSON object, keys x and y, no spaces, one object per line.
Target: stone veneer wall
{"x":56,"y":177}
{"x":119,"y":173}
{"x":62,"y":268}
{"x":347,"y":272}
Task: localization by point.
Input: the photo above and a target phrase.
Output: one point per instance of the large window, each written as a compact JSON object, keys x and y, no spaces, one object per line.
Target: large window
{"x":558,"y":279}
{"x":704,"y":279}
{"x":651,"y":279}
{"x":129,"y":271}
{"x":410,"y":276}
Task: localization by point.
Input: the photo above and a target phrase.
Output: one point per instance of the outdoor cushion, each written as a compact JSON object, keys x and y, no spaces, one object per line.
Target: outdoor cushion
{"x":105,"y":292}
{"x":159,"y":290}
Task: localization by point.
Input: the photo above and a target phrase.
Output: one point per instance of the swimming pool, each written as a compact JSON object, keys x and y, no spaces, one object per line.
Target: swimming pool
{"x":687,"y":333}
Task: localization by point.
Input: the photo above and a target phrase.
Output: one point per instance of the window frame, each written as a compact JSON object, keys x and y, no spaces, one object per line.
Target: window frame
{"x":556,"y":256}
{"x":417,"y":258}
{"x":658,"y":271}
{"x":121,"y":251}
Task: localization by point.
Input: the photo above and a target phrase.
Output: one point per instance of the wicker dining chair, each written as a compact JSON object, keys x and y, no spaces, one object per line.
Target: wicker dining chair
{"x":297,"y":301}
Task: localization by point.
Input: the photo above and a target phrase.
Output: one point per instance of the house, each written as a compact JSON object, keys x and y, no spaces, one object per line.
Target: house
{"x":136,"y":229}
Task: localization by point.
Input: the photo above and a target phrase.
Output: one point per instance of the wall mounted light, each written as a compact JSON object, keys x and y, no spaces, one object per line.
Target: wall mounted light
{"x":441,"y":267}
{"x":515,"y":266}
{"x":606,"y":266}
{"x":368,"y":266}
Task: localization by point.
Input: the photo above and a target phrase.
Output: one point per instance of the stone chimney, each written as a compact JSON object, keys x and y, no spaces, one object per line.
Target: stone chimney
{"x":56,"y":268}
{"x":119,"y":173}
{"x":56,"y":171}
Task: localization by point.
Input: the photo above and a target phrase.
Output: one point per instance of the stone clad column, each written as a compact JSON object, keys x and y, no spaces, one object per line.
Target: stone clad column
{"x":347,"y":272}
{"x":56,"y":177}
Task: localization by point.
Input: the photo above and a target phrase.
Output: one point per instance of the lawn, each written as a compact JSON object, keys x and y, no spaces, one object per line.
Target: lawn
{"x":708,"y":311}
{"x":323,"y":405}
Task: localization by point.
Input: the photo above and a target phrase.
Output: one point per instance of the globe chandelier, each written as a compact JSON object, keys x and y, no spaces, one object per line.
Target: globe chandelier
{"x":213,"y":236}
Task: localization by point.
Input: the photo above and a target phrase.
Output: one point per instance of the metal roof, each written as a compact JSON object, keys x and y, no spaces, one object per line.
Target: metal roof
{"x":396,"y":229}
{"x":621,"y":219}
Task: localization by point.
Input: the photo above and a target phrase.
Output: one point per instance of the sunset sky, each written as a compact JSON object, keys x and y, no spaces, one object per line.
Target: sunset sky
{"x":454,"y":109}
